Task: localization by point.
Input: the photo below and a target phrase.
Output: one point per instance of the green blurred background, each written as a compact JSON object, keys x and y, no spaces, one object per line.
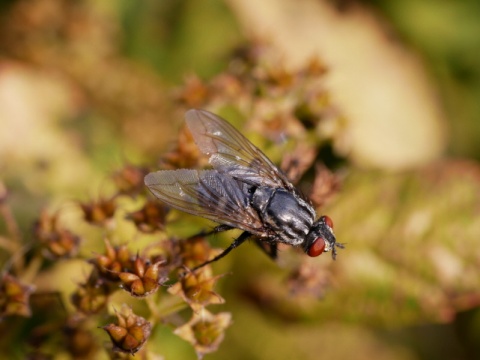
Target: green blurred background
{"x":86,"y":86}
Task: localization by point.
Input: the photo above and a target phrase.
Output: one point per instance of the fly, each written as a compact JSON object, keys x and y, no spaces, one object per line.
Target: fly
{"x":244,"y":190}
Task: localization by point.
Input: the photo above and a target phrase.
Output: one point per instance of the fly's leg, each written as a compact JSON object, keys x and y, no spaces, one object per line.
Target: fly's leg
{"x":268,"y":248}
{"x":334,"y":251}
{"x":216,"y":229}
{"x":237,"y":242}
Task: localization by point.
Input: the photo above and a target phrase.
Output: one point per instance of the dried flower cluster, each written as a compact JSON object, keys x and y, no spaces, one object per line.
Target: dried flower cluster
{"x":277,"y":102}
{"x":142,"y":274}
{"x":56,"y":241}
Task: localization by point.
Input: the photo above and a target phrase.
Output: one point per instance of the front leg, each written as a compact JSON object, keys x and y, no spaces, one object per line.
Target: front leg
{"x":269,"y":248}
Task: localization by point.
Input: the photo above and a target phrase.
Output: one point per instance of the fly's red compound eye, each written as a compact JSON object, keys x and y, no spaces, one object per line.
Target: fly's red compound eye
{"x":327,"y":221}
{"x":317,"y":247}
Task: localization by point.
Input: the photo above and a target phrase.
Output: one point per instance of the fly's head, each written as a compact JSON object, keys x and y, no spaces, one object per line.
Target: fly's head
{"x":321,"y":238}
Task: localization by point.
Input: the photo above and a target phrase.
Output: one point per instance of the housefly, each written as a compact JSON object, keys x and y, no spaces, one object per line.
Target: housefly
{"x":244,"y":190}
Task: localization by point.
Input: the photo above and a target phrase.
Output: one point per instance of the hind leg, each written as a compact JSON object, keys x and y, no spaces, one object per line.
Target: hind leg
{"x":236,"y":243}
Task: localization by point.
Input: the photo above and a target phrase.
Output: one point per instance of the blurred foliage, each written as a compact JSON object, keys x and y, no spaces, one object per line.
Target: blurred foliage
{"x":176,"y":37}
{"x":88,"y":89}
{"x":447,"y":34}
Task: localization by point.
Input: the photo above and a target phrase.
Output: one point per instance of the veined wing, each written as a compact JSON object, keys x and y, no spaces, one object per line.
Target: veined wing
{"x":206,"y":193}
{"x":232,"y":153}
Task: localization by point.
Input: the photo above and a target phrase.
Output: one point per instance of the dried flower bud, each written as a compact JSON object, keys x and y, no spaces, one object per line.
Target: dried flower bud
{"x":14,"y":297}
{"x":114,"y":261}
{"x":194,"y":94}
{"x":56,"y":242}
{"x":79,"y":339}
{"x":130,"y":332}
{"x":326,"y":185}
{"x":308,"y":280}
{"x":165,"y":250}
{"x":150,"y":218}
{"x":205,"y":331}
{"x":297,"y":162}
{"x":196,"y":288}
{"x":92,"y":296}
{"x":129,"y":179}
{"x":185,"y":154}
{"x":195,"y":251}
{"x":99,"y":212}
{"x":315,"y":67}
{"x":228,"y":85}
{"x":144,"y":278}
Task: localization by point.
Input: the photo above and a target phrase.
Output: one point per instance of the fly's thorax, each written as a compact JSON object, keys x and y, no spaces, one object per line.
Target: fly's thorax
{"x":260,"y":197}
{"x":283,"y":213}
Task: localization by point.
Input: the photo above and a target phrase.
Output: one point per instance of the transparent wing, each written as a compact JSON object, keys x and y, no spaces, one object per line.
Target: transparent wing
{"x":232,"y":153}
{"x":206,"y":193}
